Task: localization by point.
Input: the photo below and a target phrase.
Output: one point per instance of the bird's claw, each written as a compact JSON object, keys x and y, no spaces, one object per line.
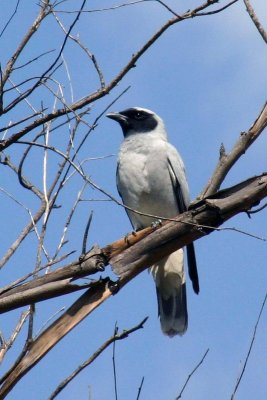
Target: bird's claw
{"x":156,"y":224}
{"x":114,"y":287}
{"x":127,"y":236}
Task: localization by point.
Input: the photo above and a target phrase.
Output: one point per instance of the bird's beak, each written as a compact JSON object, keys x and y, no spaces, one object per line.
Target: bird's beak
{"x":117,"y":117}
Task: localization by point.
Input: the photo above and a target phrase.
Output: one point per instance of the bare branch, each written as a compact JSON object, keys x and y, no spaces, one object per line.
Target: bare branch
{"x":8,"y":344}
{"x":86,"y":50}
{"x":89,"y":301}
{"x":41,"y":288}
{"x":250,"y":348}
{"x":114,"y":362}
{"x":128,"y":264}
{"x":44,"y":11}
{"x":140,"y":388}
{"x":11,"y":17}
{"x":34,"y":219}
{"x":191,"y":374}
{"x":117,"y":336}
{"x":144,"y":248}
{"x":106,"y":90}
{"x":218,"y":10}
{"x":255,"y":20}
{"x":226,"y":161}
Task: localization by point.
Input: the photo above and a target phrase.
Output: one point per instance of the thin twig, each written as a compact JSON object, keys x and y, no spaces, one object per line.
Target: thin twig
{"x":86,"y":50}
{"x":45,"y":10}
{"x":68,"y":221}
{"x":49,"y":320}
{"x":155,"y":217}
{"x":8,"y":344}
{"x":33,"y":59}
{"x":114,"y":362}
{"x":250,"y":348}
{"x":191,"y":374}
{"x":107,"y":89}
{"x":140,"y":388}
{"x":218,"y":10}
{"x":10,"y":19}
{"x":118,"y":336}
{"x":24,"y":233}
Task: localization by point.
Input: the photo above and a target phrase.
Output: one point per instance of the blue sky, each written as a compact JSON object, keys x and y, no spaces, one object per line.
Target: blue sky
{"x":207,"y":79}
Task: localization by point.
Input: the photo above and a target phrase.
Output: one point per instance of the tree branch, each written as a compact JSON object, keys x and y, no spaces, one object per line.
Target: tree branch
{"x":142,"y":249}
{"x":255,"y":20}
{"x":212,"y":211}
{"x":118,"y":336}
{"x":98,"y":94}
{"x":226,"y":161}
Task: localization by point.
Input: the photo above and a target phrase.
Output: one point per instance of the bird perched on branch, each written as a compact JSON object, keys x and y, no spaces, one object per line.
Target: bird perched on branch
{"x":151,"y":179}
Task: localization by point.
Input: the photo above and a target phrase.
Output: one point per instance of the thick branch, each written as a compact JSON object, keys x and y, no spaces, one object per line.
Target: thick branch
{"x":192,"y":225}
{"x":53,"y":284}
{"x":55,"y":332}
{"x":196,"y":223}
{"x":143,"y":248}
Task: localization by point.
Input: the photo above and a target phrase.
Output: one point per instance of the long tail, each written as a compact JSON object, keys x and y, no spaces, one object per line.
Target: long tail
{"x":169,"y":277}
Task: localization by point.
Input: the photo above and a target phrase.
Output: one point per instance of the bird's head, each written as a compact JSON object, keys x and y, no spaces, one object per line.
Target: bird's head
{"x":137,"y":120}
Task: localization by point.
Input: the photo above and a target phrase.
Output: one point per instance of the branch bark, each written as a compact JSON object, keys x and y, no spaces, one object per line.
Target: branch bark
{"x":128,"y":263}
{"x":255,"y":20}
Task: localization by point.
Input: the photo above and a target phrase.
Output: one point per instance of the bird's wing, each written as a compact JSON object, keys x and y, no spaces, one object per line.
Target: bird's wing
{"x":118,"y":185}
{"x":178,"y":178}
{"x":181,"y":190}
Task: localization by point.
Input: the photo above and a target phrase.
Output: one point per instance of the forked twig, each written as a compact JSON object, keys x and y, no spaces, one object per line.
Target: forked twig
{"x":116,"y":336}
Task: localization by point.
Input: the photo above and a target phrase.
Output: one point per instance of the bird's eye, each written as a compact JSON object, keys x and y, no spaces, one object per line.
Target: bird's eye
{"x":139,"y":115}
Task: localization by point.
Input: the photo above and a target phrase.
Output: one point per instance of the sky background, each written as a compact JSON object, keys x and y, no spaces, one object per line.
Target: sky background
{"x":206,"y":78}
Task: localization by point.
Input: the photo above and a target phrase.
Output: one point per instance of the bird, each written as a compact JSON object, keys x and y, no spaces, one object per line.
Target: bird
{"x":151,"y":179}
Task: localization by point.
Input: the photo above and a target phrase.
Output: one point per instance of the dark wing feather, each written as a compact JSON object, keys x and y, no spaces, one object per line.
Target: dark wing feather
{"x":182,"y":207}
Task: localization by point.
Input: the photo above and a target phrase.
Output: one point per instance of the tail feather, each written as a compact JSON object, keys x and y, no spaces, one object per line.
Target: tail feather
{"x":192,"y":267}
{"x":169,"y":277}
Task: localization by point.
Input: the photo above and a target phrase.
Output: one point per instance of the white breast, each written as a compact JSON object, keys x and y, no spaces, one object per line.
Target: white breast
{"x":143,"y":178}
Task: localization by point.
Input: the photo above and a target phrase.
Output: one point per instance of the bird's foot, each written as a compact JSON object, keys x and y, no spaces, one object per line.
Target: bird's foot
{"x":114,"y":287}
{"x":156,"y":224}
{"x":127,"y":237}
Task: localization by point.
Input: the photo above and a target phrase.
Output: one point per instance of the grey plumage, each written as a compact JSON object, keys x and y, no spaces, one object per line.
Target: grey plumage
{"x":151,"y":179}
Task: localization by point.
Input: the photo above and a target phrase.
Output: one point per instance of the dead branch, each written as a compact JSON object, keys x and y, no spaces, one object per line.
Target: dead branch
{"x":7,"y":344}
{"x":54,"y":283}
{"x":118,"y":336}
{"x":89,"y":301}
{"x":98,"y":94}
{"x":212,"y":211}
{"x":44,"y":11}
{"x":25,"y":231}
{"x":250,"y":348}
{"x":140,"y":388}
{"x":131,"y":256}
{"x":226,"y":161}
{"x":255,"y":20}
{"x":191,"y":374}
